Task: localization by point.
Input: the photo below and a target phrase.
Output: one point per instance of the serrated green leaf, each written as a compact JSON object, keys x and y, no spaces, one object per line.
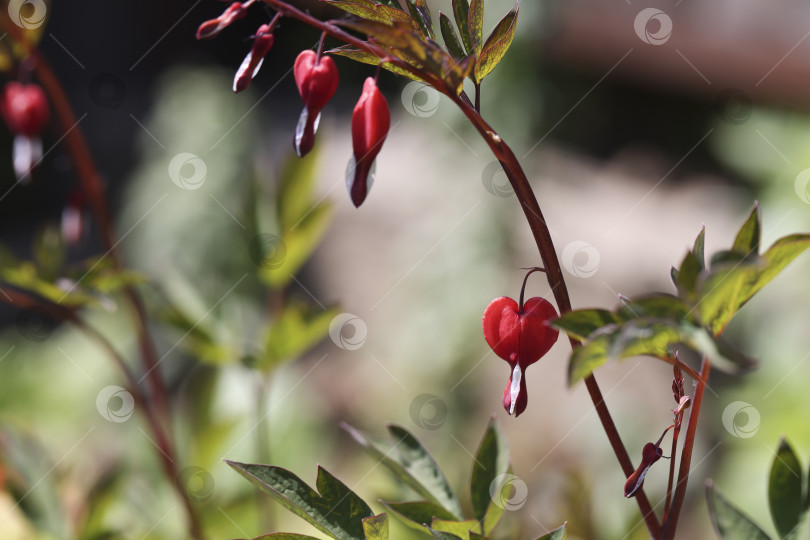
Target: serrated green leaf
{"x":490,"y":465}
{"x":450,"y":38}
{"x":336,"y":511}
{"x":417,"y":513}
{"x":724,"y":291}
{"x":785,"y":489}
{"x":699,"y":248}
{"x":441,"y":535}
{"x":729,"y":522}
{"x":475,"y":24}
{"x":296,"y":330}
{"x":581,"y":323}
{"x":412,"y":464}
{"x":461,"y":13}
{"x":421,"y":14}
{"x":298,"y":245}
{"x":367,"y":58}
{"x":556,"y":534}
{"x":496,"y":45}
{"x":375,"y":12}
{"x":747,"y":240}
{"x":460,"y":529}
{"x":376,"y":527}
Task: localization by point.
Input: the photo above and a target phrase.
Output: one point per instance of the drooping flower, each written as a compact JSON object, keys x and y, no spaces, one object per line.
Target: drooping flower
{"x":25,"y":109}
{"x":317,"y":80}
{"x":370,"y":122}
{"x":262,"y":43}
{"x":521,"y":335}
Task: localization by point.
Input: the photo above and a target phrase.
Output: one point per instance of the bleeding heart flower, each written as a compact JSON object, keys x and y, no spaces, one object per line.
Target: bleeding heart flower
{"x":25,"y":110}
{"x":317,"y":80}
{"x":521,"y":335}
{"x":370,"y":122}
{"x":262,"y":43}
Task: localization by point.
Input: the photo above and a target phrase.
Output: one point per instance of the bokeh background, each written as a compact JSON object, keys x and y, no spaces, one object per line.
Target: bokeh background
{"x":634,"y":135}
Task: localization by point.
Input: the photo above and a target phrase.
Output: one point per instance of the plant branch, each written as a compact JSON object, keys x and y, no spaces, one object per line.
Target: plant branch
{"x":93,"y":186}
{"x":531,"y":209}
{"x":683,"y":473}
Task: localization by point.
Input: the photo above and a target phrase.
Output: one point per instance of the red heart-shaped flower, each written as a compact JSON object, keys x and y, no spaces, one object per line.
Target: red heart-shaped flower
{"x":521,"y":337}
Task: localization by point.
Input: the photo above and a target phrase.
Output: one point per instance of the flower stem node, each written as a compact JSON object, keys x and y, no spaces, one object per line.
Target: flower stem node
{"x":370,"y":123}
{"x":521,"y":335}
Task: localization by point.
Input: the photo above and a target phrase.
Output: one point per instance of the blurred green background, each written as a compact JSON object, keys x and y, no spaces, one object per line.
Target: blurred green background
{"x":630,"y":146}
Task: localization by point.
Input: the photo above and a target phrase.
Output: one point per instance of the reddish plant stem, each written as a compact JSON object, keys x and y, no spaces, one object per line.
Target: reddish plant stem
{"x":528,"y":201}
{"x":159,"y":416}
{"x":672,"y":454}
{"x":671,"y":521}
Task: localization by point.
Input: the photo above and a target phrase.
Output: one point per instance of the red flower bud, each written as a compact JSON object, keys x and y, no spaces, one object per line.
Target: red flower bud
{"x":521,"y":336}
{"x":370,"y":123}
{"x":262,"y":43}
{"x":73,"y":217}
{"x":211,"y":28}
{"x":317,"y":80}
{"x":649,"y":455}
{"x":24,"y":108}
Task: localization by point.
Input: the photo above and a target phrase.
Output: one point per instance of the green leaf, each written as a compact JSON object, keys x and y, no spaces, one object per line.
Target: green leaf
{"x":296,"y":330}
{"x":49,"y":252}
{"x":698,"y":250}
{"x":785,"y":489}
{"x":581,"y":323}
{"x":461,"y":13}
{"x":458,"y":528}
{"x":496,"y":45}
{"x":375,"y":12}
{"x":724,"y":291}
{"x":285,"y":536}
{"x":450,"y":38}
{"x":729,"y":522}
{"x":747,"y":240}
{"x":421,"y":14}
{"x":673,"y":273}
{"x":490,"y":465}
{"x":476,"y":536}
{"x":802,"y":531}
{"x":417,"y":514}
{"x":367,"y":58}
{"x":336,"y":511}
{"x":441,"y":535}
{"x":295,"y":196}
{"x":475,"y":23}
{"x":688,"y":276}
{"x":295,"y":247}
{"x":660,"y":305}
{"x":376,"y":527}
{"x":556,"y":534}
{"x":412,"y":464}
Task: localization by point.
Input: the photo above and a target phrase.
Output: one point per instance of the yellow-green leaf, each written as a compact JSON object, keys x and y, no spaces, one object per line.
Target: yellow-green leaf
{"x":475,"y":24}
{"x":496,"y":45}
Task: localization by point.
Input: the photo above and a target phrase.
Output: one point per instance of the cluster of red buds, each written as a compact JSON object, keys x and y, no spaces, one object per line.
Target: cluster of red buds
{"x":520,"y":334}
{"x":317,"y":79}
{"x":25,"y":110}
